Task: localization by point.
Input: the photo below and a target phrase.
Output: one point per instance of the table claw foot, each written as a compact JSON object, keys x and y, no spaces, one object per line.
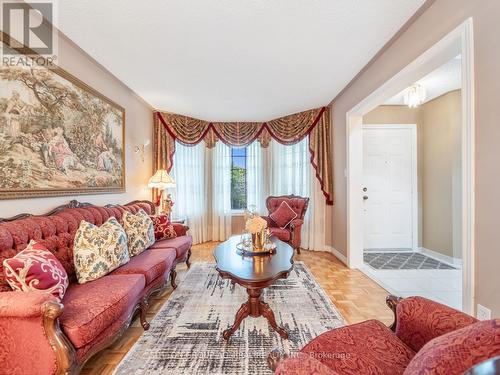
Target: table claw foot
{"x":267,"y":313}
{"x":242,"y":313}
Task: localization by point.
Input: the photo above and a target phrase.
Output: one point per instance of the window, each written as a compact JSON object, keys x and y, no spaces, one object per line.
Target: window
{"x":238,"y":178}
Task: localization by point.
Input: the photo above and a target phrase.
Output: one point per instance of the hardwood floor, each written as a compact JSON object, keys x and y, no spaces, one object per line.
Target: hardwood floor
{"x":356,"y":296}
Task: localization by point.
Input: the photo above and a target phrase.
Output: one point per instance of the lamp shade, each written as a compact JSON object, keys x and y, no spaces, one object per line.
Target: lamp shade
{"x":161,"y":180}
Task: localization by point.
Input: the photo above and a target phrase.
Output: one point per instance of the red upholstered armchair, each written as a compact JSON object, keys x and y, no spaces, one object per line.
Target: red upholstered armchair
{"x":425,"y":338}
{"x":289,"y":233}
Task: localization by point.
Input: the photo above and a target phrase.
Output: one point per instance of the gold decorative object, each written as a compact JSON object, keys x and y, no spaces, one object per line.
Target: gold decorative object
{"x":256,"y":226}
{"x":259,"y":240}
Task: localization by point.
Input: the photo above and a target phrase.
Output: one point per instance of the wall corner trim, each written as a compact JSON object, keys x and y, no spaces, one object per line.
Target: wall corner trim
{"x":337,"y":254}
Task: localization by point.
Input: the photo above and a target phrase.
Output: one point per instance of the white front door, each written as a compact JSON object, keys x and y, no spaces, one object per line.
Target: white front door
{"x":389,"y":176}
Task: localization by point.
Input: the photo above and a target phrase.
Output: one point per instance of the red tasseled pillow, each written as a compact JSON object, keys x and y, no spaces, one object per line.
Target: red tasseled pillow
{"x":283,"y":215}
{"x":164,"y":229}
{"x":36,"y":268}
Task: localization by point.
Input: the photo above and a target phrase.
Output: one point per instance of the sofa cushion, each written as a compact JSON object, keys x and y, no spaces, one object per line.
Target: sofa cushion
{"x":283,"y":215}
{"x":457,"y":351}
{"x":282,"y":234}
{"x":364,"y":348}
{"x":140,"y":231}
{"x":151,"y":264}
{"x":298,"y":204}
{"x":164,"y":229}
{"x":92,"y":307}
{"x":99,"y":250}
{"x":36,"y":268}
{"x":56,"y":232}
{"x":180,"y":244}
{"x":180,"y":229}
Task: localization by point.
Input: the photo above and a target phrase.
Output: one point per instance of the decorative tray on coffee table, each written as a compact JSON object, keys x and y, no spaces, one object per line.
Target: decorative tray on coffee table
{"x":269,"y":248}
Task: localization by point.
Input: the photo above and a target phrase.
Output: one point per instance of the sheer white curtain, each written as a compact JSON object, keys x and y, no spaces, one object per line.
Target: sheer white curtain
{"x":291,"y":173}
{"x":257,"y":177}
{"x":203,"y":191}
{"x":221,"y":192}
{"x":190,"y":196}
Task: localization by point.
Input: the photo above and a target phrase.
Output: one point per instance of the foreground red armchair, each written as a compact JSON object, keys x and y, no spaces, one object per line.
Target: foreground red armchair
{"x":291,"y":233}
{"x":425,"y":338}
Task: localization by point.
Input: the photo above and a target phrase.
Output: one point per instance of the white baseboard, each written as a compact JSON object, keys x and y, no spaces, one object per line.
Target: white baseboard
{"x":337,"y":254}
{"x":441,"y":257}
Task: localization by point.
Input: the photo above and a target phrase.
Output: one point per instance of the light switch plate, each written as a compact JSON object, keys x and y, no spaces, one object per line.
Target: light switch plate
{"x":483,"y":313}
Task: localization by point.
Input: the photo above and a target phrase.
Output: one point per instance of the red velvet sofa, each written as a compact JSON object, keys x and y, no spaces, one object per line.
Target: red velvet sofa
{"x":426,"y":338}
{"x":39,"y":334}
{"x":292,"y":233}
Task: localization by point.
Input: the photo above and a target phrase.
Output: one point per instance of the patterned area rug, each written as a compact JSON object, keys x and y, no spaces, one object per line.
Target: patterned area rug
{"x":185,"y":336}
{"x":404,"y":261}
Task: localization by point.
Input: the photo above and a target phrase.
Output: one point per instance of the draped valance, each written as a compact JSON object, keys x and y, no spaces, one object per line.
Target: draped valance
{"x":315,"y":124}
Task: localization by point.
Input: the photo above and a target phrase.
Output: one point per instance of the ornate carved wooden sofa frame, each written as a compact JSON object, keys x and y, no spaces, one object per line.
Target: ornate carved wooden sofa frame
{"x":62,"y":347}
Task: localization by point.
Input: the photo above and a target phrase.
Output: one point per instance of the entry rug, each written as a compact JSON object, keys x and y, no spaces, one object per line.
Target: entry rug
{"x":185,"y":336}
{"x":403,"y":261}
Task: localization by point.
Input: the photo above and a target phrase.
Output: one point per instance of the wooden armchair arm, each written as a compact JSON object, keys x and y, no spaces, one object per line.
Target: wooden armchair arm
{"x":392,"y":302}
{"x":296,"y":223}
{"x":60,"y":344}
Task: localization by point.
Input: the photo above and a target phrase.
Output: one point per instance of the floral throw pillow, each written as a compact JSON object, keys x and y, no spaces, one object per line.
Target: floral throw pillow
{"x":140,"y":231}
{"x":164,"y":229}
{"x":99,"y":250}
{"x":36,"y":268}
{"x":283,"y":215}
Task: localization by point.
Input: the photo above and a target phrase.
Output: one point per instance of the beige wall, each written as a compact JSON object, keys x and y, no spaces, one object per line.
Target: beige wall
{"x":138,"y":118}
{"x":441,"y":18}
{"x":440,"y":121}
{"x":439,"y":174}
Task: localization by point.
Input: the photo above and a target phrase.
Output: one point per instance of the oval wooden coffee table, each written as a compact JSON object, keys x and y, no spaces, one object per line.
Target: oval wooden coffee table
{"x":253,"y":273}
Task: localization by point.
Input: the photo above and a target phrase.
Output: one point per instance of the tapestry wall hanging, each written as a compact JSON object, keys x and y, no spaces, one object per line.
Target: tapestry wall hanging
{"x":58,"y":136}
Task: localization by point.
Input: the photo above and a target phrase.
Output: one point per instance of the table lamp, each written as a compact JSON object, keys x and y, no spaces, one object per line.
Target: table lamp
{"x":161,"y":180}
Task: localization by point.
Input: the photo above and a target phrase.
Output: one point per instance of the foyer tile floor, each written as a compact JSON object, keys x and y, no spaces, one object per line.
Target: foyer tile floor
{"x":441,"y":285}
{"x":356,"y":296}
{"x":407,"y":260}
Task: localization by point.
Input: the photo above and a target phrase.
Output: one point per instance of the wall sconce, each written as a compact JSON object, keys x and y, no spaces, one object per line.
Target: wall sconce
{"x":141,"y":148}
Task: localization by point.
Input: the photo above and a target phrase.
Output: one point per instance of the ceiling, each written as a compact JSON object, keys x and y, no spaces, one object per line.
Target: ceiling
{"x":234,"y":60}
{"x":446,"y":78}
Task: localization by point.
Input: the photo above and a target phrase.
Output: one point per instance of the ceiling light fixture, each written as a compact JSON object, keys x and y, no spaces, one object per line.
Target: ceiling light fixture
{"x":414,"y":96}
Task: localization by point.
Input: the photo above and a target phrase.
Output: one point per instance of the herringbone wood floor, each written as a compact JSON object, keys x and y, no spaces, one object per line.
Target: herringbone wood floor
{"x":356,"y":296}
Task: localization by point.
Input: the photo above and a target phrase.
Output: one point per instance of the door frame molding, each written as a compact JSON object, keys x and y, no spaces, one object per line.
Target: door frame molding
{"x":414,"y":173}
{"x":458,"y":41}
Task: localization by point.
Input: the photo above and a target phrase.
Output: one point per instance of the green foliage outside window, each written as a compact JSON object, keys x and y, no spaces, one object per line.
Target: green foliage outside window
{"x":238,"y":179}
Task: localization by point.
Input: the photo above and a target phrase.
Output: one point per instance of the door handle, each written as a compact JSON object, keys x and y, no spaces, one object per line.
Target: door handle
{"x":365,"y":197}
